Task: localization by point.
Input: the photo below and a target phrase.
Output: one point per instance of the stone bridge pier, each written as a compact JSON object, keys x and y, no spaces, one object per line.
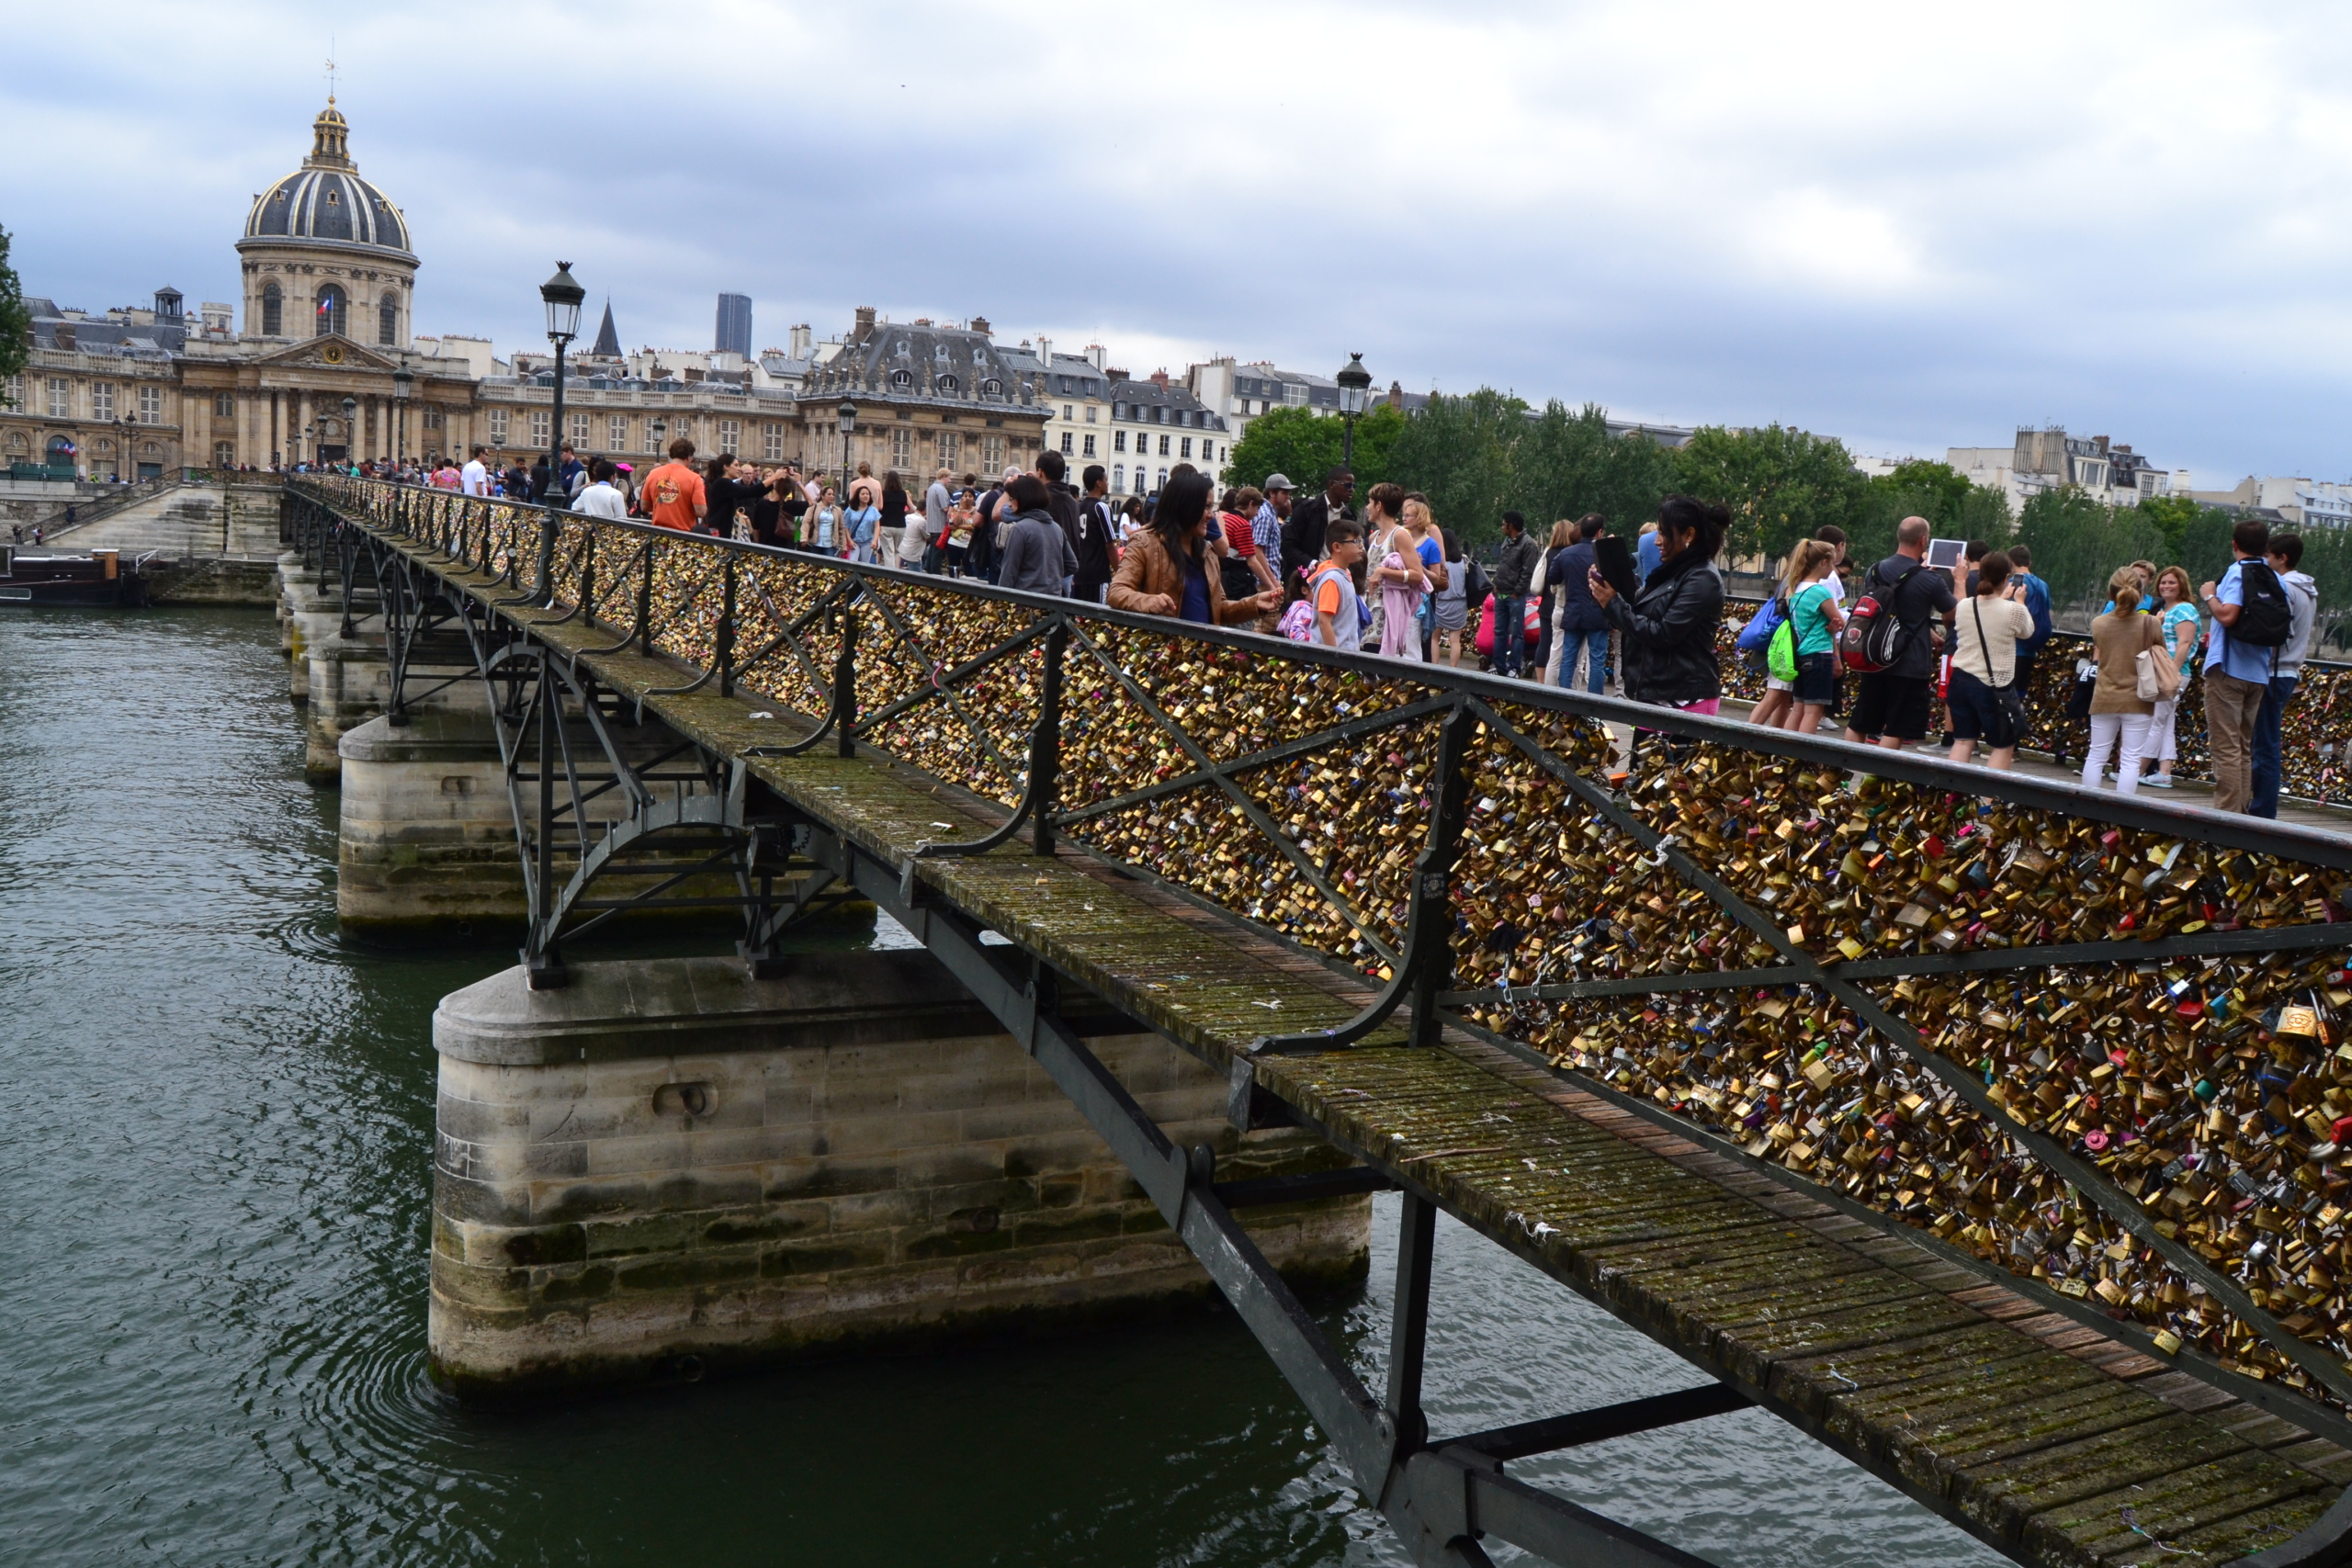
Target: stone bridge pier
{"x":669,"y":1168}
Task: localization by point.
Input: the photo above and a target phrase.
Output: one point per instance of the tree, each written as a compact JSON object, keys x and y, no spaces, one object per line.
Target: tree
{"x":1946,"y":484}
{"x":2077,"y":543}
{"x":1566,"y":464}
{"x":1780,"y":484}
{"x":1954,"y":507}
{"x":1461,"y":453}
{"x":2171,"y":516}
{"x":16,"y":320}
{"x":1303,"y":447}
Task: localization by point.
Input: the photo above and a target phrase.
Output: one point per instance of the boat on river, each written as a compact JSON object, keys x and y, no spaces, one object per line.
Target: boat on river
{"x":101,"y":579}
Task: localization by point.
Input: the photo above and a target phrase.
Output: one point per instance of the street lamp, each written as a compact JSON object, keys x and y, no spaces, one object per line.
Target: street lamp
{"x":1355,"y":385}
{"x":657,"y":429}
{"x":403,"y":379}
{"x":563,"y":296}
{"x":350,"y":427}
{"x":122,"y":454}
{"x":848,"y":412}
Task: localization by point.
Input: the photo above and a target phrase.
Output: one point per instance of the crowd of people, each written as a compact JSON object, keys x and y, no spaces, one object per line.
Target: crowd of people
{"x":1869,"y":651}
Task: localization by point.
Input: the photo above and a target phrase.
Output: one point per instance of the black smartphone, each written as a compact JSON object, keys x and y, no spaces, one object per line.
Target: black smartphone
{"x":1616,"y":563}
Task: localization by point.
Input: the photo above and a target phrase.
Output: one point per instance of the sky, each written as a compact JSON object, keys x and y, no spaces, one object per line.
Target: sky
{"x":1910,"y":228}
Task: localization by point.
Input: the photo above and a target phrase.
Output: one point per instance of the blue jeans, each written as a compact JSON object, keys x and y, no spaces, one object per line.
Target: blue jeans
{"x":2267,"y":765}
{"x":1510,"y":636}
{"x":1574,"y":646}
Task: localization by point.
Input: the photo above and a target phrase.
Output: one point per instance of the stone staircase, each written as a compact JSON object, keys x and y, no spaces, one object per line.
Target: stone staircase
{"x":180,"y":523}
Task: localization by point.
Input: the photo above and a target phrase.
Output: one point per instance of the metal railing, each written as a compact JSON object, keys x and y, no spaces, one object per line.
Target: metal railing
{"x":2091,"y":1041}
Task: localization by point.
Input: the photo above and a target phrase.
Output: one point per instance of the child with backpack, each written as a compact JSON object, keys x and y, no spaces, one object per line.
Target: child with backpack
{"x":1331,"y":614}
{"x":1805,"y":645}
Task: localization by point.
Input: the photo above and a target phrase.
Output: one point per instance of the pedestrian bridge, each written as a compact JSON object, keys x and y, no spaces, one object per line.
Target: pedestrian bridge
{"x":1989,"y":1133}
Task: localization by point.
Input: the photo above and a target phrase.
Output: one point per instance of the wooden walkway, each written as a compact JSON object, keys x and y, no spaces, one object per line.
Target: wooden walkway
{"x":2034,"y":1433}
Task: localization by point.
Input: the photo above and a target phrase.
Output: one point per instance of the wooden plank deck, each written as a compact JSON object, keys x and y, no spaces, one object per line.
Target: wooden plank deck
{"x":2038,"y":1435}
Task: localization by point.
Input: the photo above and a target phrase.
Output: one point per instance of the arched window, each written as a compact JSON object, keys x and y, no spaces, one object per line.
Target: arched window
{"x":902,"y":378}
{"x":949,"y":384}
{"x":273,"y":311}
{"x":333,"y":311}
{"x":992,"y":387}
{"x":387,"y":320}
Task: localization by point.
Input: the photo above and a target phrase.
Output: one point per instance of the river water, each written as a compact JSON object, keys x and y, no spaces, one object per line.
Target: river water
{"x":215,"y":1140}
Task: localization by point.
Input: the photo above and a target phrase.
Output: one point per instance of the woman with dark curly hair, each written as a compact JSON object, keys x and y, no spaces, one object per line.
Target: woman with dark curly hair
{"x":1670,"y":625}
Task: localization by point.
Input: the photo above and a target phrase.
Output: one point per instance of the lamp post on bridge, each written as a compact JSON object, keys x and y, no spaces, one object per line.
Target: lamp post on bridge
{"x":562,"y":295}
{"x":404,"y":378}
{"x":1355,"y":383}
{"x":350,"y":429}
{"x":848,"y":415}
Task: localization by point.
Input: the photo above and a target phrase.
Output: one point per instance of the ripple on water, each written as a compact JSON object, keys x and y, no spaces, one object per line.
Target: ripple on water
{"x":213,"y":1219}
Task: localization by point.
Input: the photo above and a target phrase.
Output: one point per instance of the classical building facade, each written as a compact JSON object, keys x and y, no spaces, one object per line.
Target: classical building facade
{"x":326,"y":320}
{"x":927,"y":397}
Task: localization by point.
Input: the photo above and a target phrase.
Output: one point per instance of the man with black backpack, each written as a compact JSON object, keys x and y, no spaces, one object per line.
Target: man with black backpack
{"x":2252,"y":621}
{"x":1895,"y":702}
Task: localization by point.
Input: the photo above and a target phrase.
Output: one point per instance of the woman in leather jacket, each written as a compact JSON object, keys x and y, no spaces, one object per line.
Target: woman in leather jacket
{"x":1168,"y":571}
{"x":1671,"y":626}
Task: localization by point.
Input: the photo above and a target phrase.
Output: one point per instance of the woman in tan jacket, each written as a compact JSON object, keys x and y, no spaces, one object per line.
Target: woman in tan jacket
{"x":1166,"y":570}
{"x":2118,"y":710}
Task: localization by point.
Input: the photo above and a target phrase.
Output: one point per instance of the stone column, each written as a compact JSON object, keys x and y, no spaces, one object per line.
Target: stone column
{"x":669,"y":1168}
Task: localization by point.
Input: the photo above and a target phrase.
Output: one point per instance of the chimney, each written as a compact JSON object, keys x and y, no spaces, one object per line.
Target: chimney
{"x":865,"y":323}
{"x":1395,"y":394}
{"x":980,"y":325}
{"x":1159,"y":379}
{"x":1116,"y":375}
{"x":1094,"y":350}
{"x":1045,"y":351}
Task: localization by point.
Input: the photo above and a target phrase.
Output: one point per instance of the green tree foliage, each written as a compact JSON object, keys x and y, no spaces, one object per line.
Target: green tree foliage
{"x":1463,"y":453}
{"x":1567,"y":465}
{"x":16,"y":320}
{"x":2077,"y":544}
{"x":1303,"y":447}
{"x":1780,"y":484}
{"x":1956,"y":508}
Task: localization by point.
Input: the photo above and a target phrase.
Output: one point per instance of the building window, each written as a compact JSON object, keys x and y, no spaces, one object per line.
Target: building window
{"x":1163,"y":446}
{"x":993,"y":452}
{"x":902,"y":378}
{"x":498,"y":427}
{"x":61,"y":398}
{"x":772,"y":443}
{"x":333,"y":311}
{"x":1119,"y":476}
{"x":730,"y":436}
{"x":102,"y":400}
{"x":1208,"y":452}
{"x":948,"y":445}
{"x":541,"y":422}
{"x":1068,"y":412}
{"x":387,"y":320}
{"x":224,"y":455}
{"x":1066,"y":443}
{"x":151,"y":405}
{"x":992,"y":387}
{"x":16,"y":392}
{"x":1091,"y":410}
{"x":224,"y":405}
{"x":1118,"y":441}
{"x":579,"y":431}
{"x":617,"y":434}
{"x":1185,"y":447}
{"x":433,"y":419}
{"x":949,"y":384}
{"x":1090,"y":446}
{"x":902,"y":446}
{"x":273,"y":311}
{"x":1163,"y":481}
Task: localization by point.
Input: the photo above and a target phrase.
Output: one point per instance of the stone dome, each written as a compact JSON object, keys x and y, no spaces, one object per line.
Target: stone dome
{"x":325,"y":202}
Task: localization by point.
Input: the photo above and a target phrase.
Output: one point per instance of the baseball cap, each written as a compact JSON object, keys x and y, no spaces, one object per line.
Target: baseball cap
{"x":1277,"y":481}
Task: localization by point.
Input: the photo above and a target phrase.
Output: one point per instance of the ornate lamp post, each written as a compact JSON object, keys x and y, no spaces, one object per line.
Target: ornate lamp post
{"x":563,"y":296}
{"x":350,"y":429}
{"x":848,"y":412}
{"x":1355,"y":387}
{"x":404,"y":379}
{"x":122,"y":453}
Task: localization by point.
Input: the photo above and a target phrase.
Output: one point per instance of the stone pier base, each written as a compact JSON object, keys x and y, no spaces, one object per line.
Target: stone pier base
{"x":669,"y":1168}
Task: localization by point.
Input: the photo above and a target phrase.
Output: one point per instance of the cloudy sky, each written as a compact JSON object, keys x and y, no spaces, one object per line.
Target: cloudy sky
{"x":1909,"y":227}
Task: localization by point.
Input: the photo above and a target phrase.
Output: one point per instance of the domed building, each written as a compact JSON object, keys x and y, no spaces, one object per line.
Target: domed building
{"x":327,"y":252}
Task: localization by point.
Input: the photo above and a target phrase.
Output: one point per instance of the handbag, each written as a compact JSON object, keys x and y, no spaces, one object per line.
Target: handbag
{"x":2007,"y":701}
{"x":2156,"y":679}
{"x":2078,"y":701}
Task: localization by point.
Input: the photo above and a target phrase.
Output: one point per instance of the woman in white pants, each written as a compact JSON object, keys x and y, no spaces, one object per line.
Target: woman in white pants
{"x":2117,"y":712}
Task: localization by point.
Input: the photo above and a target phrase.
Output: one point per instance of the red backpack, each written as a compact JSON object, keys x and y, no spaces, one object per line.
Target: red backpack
{"x":1872,"y":639}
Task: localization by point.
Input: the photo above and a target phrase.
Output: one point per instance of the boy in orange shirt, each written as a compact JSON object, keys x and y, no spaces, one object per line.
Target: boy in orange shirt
{"x":673,"y":493}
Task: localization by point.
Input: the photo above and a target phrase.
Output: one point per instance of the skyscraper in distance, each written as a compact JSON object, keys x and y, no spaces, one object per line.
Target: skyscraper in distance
{"x":734,"y":333}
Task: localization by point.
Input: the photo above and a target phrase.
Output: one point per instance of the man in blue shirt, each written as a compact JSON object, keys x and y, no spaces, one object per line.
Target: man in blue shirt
{"x":2037,"y":604}
{"x":2237,"y":675}
{"x":1647,"y":553}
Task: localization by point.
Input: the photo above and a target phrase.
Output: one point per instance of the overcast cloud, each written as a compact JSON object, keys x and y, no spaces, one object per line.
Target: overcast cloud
{"x":1904,"y":226}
